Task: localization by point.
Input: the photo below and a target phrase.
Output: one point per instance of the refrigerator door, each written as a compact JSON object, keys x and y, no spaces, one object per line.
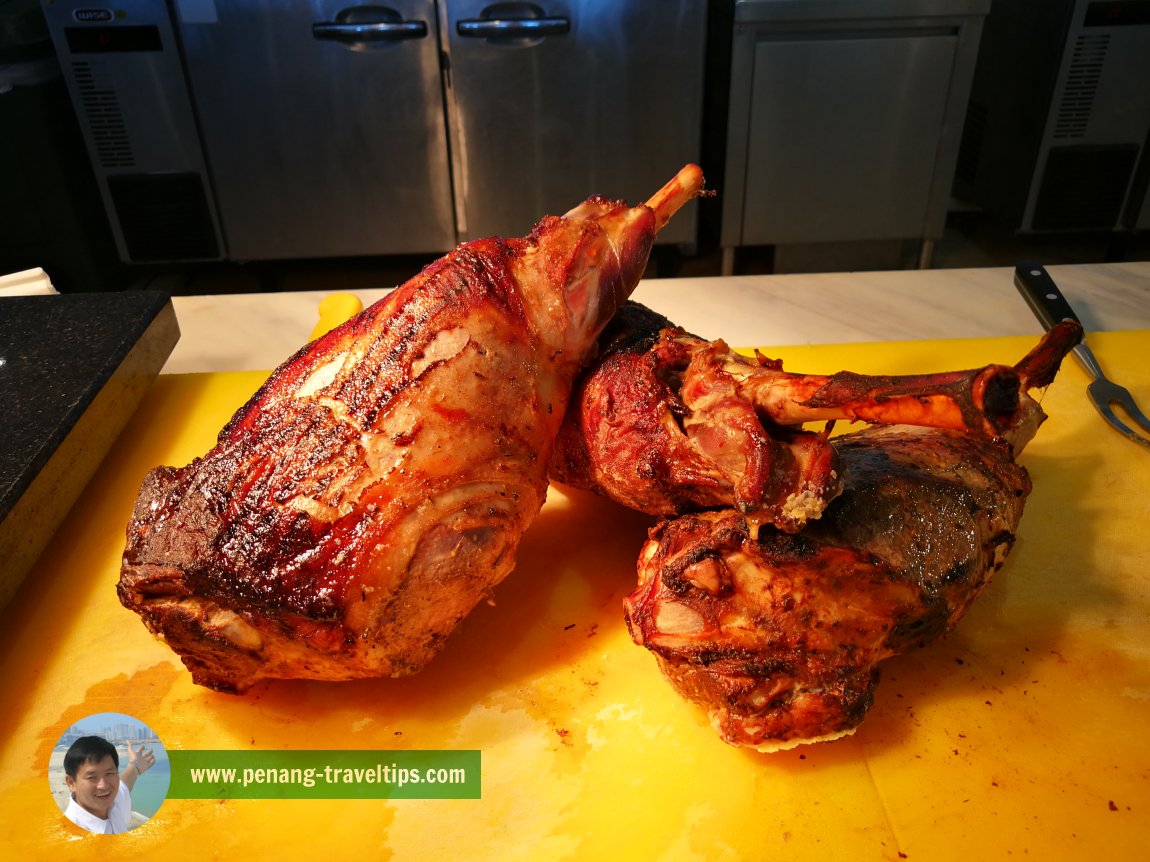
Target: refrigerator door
{"x":126,"y":80}
{"x":555,"y":100}
{"x":845,"y":133}
{"x":324,"y":125}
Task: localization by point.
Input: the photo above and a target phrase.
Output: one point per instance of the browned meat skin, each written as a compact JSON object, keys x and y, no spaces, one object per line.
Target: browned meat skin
{"x":656,"y":426}
{"x":376,"y":487}
{"x":991,"y":401}
{"x":778,"y":636}
{"x":666,"y":422}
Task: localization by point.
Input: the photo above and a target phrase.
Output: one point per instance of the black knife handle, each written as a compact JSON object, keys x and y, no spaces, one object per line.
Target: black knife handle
{"x":1042,"y":295}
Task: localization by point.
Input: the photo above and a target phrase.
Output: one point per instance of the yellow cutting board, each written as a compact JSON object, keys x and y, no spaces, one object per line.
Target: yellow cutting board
{"x":1024,"y":733}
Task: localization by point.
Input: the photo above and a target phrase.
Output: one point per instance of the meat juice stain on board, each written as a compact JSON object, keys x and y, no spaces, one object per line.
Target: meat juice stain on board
{"x":139,"y":694}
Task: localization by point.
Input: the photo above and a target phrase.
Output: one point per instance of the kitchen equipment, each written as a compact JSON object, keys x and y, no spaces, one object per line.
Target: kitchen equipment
{"x":845,"y":119}
{"x":128,"y":88}
{"x":1050,"y":306}
{"x":73,"y":368}
{"x":1059,"y":118}
{"x":323,"y":138}
{"x":539,"y":114}
{"x":1023,"y":733}
{"x":251,"y":130}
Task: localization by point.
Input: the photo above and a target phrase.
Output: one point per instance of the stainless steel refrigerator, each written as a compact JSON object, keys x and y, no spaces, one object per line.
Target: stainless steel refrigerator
{"x":256,"y":130}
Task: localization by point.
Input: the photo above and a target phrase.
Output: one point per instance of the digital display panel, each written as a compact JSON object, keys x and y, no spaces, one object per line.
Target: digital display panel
{"x":114,"y":39}
{"x":1116,"y":13}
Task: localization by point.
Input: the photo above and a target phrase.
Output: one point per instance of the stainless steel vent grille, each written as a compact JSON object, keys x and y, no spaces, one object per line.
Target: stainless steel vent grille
{"x":1083,"y":187}
{"x":105,"y":119}
{"x":164,"y":216}
{"x":1086,"y":64}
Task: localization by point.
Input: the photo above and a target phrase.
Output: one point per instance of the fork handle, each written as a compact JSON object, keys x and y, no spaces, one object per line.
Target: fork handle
{"x":1043,"y":295}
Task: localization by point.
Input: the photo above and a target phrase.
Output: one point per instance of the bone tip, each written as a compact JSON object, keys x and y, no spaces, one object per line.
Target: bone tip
{"x":685,"y":185}
{"x":690,"y":176}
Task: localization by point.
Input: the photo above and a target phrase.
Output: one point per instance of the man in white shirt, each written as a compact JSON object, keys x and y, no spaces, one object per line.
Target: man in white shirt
{"x":101,"y":797}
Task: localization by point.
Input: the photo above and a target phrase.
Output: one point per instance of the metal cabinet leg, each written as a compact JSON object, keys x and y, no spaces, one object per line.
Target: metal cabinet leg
{"x":728,"y":262}
{"x":926,"y":254}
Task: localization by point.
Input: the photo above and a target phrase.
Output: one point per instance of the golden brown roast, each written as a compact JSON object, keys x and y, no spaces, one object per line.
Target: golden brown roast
{"x":375,"y":489}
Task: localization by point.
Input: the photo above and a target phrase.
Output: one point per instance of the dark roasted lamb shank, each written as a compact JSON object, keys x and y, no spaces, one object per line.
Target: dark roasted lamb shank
{"x":778,"y":636}
{"x":773,"y":623}
{"x":666,"y":422}
{"x":375,"y":489}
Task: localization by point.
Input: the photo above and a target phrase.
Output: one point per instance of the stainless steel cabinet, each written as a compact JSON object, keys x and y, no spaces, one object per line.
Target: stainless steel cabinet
{"x":849,"y":150}
{"x":1064,"y":147}
{"x":319,"y":128}
{"x":845,"y":119}
{"x":549,"y":105}
{"x":323,"y":127}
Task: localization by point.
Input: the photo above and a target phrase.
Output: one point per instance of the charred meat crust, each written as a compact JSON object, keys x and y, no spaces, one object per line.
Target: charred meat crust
{"x":779,"y":636}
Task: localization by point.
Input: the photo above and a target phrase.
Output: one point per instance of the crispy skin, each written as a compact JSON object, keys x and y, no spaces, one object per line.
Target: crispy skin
{"x":376,"y":487}
{"x":778,"y":636}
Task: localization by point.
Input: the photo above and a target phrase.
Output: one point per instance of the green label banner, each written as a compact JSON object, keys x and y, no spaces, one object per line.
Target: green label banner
{"x":335,"y":774}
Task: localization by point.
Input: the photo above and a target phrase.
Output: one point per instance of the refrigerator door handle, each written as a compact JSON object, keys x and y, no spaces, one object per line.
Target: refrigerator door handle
{"x":512,"y":28}
{"x":376,"y":31}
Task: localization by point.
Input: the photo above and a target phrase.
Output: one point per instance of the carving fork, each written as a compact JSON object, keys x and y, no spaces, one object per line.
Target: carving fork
{"x":1050,"y":306}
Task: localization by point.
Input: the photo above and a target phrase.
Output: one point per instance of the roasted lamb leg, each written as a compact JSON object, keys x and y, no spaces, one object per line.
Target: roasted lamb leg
{"x":778,"y":636}
{"x":665,"y":422}
{"x":375,"y":489}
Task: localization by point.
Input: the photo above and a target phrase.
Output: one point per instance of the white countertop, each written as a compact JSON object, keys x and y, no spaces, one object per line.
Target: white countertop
{"x":244,"y":332}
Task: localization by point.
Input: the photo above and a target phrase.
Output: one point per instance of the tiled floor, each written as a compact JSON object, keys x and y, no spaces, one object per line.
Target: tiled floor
{"x":967,"y":242}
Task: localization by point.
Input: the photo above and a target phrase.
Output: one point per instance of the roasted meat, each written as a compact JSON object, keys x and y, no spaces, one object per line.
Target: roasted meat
{"x":665,"y":422}
{"x":660,"y":424}
{"x":777,"y":635}
{"x":375,"y":489}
